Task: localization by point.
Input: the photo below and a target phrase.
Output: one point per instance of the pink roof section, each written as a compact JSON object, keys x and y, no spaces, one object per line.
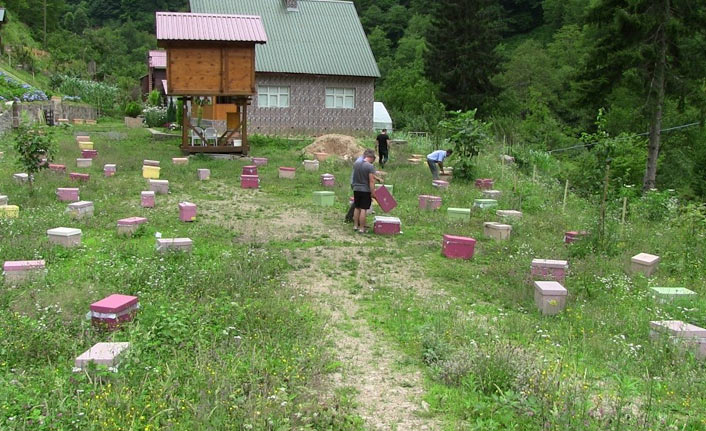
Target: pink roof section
{"x":210,"y":27}
{"x":158,"y":59}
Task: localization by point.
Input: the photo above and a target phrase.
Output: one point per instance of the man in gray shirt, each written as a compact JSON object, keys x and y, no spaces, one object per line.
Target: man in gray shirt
{"x":363,"y":189}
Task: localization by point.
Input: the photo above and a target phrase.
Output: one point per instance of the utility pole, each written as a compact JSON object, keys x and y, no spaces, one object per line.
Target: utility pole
{"x":45,"y":24}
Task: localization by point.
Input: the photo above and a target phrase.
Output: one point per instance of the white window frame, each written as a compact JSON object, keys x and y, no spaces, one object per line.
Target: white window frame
{"x":273,"y":96}
{"x":340,"y":98}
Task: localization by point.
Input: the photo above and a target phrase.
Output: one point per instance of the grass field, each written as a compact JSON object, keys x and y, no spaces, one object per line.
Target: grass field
{"x":283,"y":318}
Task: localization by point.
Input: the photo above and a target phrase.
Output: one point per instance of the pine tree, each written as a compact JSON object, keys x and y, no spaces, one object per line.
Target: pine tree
{"x":653,"y":47}
{"x":461,"y":57}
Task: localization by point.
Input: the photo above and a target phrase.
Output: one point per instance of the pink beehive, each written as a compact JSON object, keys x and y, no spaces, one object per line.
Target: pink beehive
{"x":109,"y":170}
{"x":203,"y":174}
{"x":328,"y":180}
{"x":147,"y":199}
{"x":89,"y":154}
{"x":79,"y":177}
{"x":573,"y":235}
{"x":129,"y":226}
{"x":550,"y":269}
{"x":384,"y":199}
{"x":21,"y":270}
{"x":485,"y":183}
{"x":440,"y":184}
{"x":249,"y":181}
{"x":67,"y":194}
{"x":428,"y":202}
{"x":113,"y":310}
{"x":285,"y":172}
{"x":387,"y":225}
{"x":259,"y":161}
{"x":57,"y":168}
{"x":187,"y":211}
{"x":249,"y":170}
{"x":458,"y":247}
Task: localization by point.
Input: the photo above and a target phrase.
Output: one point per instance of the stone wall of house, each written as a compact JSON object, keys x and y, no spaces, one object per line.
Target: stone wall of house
{"x":307,"y":113}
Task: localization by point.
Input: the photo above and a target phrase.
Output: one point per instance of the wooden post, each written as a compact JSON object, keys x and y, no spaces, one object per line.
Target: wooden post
{"x":246,"y":146}
{"x":625,"y":209}
{"x":566,"y":193}
{"x":184,"y":122}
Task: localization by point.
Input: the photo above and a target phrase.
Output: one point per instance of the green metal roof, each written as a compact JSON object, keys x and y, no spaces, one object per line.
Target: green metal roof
{"x":323,"y":37}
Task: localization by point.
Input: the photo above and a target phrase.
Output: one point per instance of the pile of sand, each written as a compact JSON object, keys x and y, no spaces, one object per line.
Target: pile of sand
{"x":346,"y":147}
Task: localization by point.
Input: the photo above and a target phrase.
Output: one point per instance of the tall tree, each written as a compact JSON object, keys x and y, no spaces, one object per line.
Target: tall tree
{"x":652,"y":47}
{"x":462,"y":57}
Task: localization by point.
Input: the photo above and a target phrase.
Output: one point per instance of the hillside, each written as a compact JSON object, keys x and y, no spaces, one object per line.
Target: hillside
{"x":283,"y":318}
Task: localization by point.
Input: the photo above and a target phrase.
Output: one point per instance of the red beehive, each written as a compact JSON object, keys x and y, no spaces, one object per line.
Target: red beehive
{"x":458,"y":247}
{"x":113,"y":310}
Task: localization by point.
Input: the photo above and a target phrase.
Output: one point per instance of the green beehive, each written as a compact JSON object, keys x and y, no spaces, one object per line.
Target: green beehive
{"x":670,"y":294}
{"x":485,"y":203}
{"x":389,"y":187}
{"x":459,"y":214}
{"x":324,"y":199}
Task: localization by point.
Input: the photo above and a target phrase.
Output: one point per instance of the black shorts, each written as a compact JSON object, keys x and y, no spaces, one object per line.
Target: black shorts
{"x":362,"y":200}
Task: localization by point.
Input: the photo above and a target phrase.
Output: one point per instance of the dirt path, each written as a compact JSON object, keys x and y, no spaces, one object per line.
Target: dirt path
{"x":389,"y":393}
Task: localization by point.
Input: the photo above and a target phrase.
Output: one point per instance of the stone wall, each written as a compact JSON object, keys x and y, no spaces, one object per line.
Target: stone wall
{"x":307,"y":113}
{"x":34,"y":111}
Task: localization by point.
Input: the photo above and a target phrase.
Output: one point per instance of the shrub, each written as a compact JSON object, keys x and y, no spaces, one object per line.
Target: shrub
{"x":154,"y":98}
{"x":34,"y":143}
{"x":133,"y":109}
{"x":155,"y":116}
{"x":171,"y":112}
{"x":467,"y":135}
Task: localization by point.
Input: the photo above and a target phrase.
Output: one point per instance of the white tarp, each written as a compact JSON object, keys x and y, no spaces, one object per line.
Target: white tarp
{"x":381,"y":118}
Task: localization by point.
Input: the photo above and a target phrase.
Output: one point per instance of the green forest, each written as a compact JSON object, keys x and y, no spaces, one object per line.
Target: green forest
{"x":578,"y":82}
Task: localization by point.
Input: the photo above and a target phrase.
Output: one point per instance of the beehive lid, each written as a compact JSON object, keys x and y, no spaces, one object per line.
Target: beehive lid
{"x":63,"y":231}
{"x":308,"y":162}
{"x":147,"y":193}
{"x":459,"y":239}
{"x":150,"y":162}
{"x":508,"y":213}
{"x":550,"y":288}
{"x":67,"y":189}
{"x":672,"y":291}
{"x":101,"y":354}
{"x":81,"y":204}
{"x":645,"y":259}
{"x":485,"y":201}
{"x":114,"y":303}
{"x":22,"y":265}
{"x":21,"y":175}
{"x":678,"y":328}
{"x":160,"y":182}
{"x":323,"y":193}
{"x":549,"y":263}
{"x":84,"y":160}
{"x":284,"y":168}
{"x":109,"y":166}
{"x":131,"y":221}
{"x":496,"y":225}
{"x":388,"y":220}
{"x":186,"y":205}
{"x":460,"y":210}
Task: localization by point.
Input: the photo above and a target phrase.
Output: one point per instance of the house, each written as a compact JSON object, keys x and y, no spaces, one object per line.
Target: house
{"x":316,"y":74}
{"x":156,"y":72}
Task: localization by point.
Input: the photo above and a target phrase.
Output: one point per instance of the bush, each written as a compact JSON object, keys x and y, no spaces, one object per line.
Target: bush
{"x":155,"y":116}
{"x":467,"y":135}
{"x":10,"y":89}
{"x":133,"y":109}
{"x":33,"y":144}
{"x":154,"y":98}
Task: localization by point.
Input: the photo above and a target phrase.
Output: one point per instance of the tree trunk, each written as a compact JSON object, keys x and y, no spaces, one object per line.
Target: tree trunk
{"x":650,"y":178}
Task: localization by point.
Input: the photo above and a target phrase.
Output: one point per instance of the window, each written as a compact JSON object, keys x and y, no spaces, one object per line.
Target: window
{"x":340,"y":98}
{"x":272,"y":97}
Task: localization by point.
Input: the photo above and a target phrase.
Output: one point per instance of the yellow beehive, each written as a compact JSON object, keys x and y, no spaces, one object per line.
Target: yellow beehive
{"x":85,"y":145}
{"x":9,"y":211}
{"x":150,"y":172}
